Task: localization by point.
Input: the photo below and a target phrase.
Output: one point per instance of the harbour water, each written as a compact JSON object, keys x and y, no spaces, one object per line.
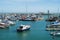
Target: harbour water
{"x":37,"y":32}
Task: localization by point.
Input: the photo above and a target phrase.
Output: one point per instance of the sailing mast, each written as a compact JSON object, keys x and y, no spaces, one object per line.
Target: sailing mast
{"x":26,"y":7}
{"x":48,"y":14}
{"x":58,"y":12}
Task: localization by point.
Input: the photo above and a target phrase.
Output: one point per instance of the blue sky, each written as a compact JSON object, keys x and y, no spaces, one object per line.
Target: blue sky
{"x":32,"y":5}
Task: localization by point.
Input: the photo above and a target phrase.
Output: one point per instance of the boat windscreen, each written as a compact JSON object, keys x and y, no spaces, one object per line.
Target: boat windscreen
{"x":21,"y":26}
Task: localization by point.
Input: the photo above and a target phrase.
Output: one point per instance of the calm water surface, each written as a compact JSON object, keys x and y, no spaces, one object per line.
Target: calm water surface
{"x":37,"y":32}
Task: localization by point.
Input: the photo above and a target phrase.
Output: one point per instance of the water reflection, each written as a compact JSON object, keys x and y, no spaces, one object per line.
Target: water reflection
{"x":23,"y":35}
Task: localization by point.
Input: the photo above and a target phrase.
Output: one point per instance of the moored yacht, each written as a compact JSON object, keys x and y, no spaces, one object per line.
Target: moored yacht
{"x":55,"y":33}
{"x":51,"y":19}
{"x":11,"y":23}
{"x":8,"y":22}
{"x":3,"y":25}
{"x":56,"y":23}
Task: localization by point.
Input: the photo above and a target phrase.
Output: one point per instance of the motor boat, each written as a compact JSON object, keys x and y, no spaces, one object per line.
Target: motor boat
{"x":51,"y":19}
{"x":23,"y":28}
{"x":55,"y":33}
{"x":3,"y":25}
{"x":56,"y":23}
{"x":8,"y":22}
{"x":11,"y":23}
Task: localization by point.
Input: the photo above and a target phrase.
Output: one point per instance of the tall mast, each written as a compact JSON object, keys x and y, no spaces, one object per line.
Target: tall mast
{"x":58,"y":12}
{"x":48,"y":14}
{"x":26,"y":7}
